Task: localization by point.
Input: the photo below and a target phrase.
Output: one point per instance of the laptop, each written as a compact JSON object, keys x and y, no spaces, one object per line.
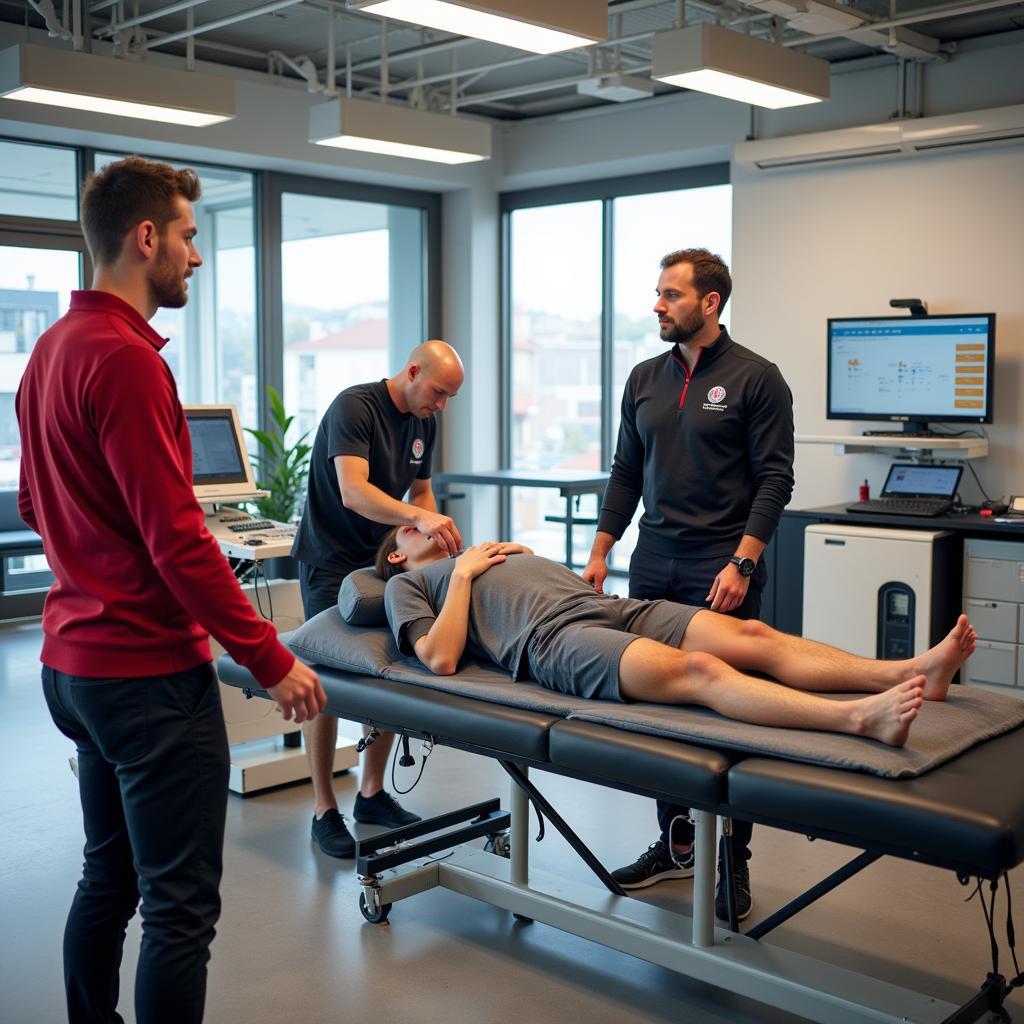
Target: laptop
{"x":912,"y":490}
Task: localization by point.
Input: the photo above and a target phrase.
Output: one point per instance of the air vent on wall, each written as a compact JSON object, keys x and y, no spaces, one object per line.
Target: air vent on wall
{"x":893,"y":139}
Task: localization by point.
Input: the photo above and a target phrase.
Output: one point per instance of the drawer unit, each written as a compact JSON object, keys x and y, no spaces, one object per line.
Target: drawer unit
{"x":994,"y":602}
{"x":994,"y":620}
{"x":993,"y":662}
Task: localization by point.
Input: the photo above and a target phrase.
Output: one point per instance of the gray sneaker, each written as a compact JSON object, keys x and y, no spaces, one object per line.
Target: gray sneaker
{"x":655,"y":864}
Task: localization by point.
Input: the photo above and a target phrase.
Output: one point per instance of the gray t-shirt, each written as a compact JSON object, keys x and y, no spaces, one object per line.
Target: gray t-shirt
{"x":507,"y":603}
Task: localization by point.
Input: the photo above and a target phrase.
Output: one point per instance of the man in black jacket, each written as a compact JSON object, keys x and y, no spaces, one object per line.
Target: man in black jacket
{"x":706,"y":439}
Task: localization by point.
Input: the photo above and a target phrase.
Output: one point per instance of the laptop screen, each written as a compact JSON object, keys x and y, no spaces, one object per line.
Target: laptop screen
{"x":906,"y":480}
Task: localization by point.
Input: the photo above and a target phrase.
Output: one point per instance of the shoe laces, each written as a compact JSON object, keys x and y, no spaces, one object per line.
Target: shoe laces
{"x":740,"y":873}
{"x":384,"y":797}
{"x":654,"y":854}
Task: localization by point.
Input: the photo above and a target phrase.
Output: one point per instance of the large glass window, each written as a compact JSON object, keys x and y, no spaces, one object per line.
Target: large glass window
{"x":35,"y":289}
{"x":212,"y":347}
{"x":352,"y":282}
{"x":38,"y":181}
{"x":647,"y":227}
{"x":556,"y":358}
{"x":581,"y":276}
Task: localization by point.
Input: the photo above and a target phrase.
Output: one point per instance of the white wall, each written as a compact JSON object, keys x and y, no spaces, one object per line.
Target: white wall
{"x":843,"y":241}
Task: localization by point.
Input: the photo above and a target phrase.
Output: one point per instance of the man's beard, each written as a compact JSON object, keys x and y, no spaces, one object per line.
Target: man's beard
{"x":166,"y":285}
{"x":680,"y":334}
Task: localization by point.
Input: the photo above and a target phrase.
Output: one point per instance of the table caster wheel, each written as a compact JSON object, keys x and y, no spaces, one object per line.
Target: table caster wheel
{"x":378,"y":916}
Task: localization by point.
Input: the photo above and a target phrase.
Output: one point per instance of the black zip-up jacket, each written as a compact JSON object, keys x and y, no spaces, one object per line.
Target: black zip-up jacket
{"x":710,"y":453}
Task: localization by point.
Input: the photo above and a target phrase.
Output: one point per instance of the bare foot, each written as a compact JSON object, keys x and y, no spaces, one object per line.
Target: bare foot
{"x":887,"y":716}
{"x":940,"y":664}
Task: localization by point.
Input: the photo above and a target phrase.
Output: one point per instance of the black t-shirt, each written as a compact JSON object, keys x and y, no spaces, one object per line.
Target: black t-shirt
{"x":362,"y":421}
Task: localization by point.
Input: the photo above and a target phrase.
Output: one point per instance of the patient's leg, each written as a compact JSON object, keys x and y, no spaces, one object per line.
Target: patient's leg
{"x":656,"y":672}
{"x":808,"y":665}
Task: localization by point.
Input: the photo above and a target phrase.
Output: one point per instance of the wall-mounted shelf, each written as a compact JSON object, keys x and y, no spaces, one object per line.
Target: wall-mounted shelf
{"x":930,"y":447}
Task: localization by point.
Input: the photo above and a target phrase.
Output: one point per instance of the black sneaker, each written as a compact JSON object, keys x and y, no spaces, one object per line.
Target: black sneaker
{"x":741,"y":889}
{"x":332,"y":835}
{"x":382,"y":809}
{"x":655,"y":864}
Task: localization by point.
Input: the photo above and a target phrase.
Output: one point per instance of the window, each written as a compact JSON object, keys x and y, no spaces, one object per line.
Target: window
{"x":38,"y":181}
{"x":352,"y":283}
{"x":646,"y":228}
{"x":556,"y":357}
{"x":581,"y":272}
{"x":35,"y":289}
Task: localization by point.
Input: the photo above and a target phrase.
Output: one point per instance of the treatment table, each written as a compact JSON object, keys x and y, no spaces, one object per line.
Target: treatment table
{"x":963,"y":816}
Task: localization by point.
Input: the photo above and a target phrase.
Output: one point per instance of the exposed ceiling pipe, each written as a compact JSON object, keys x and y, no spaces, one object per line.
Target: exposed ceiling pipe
{"x":114,"y":26}
{"x":211,"y":26}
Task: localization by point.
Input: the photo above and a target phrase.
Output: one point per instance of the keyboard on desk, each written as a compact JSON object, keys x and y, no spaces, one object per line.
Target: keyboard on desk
{"x":904,"y":506}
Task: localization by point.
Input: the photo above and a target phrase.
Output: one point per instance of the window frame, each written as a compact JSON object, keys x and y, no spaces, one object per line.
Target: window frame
{"x":607,"y":190}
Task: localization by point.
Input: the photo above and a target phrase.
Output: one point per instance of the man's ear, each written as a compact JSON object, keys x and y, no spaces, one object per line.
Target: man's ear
{"x":145,"y":238}
{"x":396,"y":558}
{"x":414,"y":371}
{"x":711,"y":302}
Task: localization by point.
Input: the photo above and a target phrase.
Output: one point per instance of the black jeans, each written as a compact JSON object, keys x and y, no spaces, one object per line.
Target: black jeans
{"x":153,"y":776}
{"x":319,"y":587}
{"x":688,"y":582}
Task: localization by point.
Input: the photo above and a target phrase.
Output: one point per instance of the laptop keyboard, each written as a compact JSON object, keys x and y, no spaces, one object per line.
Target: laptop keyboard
{"x":904,"y":506}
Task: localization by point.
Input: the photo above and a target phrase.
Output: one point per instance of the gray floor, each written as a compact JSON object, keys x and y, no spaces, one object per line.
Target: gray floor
{"x":292,"y":945}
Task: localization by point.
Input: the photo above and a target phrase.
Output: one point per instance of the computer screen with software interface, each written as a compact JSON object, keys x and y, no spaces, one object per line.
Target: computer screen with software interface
{"x":220,"y":462}
{"x":928,"y":368}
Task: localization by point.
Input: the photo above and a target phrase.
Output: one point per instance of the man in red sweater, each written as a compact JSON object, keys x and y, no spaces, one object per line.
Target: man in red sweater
{"x":106,"y":479}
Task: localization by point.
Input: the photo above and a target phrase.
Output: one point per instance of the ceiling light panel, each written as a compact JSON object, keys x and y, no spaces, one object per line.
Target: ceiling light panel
{"x":392,"y":130}
{"x":108,"y":85}
{"x":539,"y":26}
{"x":716,"y":60}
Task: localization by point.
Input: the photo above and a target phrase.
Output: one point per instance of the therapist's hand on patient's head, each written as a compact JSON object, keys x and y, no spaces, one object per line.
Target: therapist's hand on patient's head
{"x":475,"y":561}
{"x":299,"y":695}
{"x":441,"y":529}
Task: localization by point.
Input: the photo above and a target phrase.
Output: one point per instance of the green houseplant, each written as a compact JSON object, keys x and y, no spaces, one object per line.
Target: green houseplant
{"x":280,"y":467}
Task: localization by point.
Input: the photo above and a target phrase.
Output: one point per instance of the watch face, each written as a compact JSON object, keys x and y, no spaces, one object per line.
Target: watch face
{"x":746,"y":566}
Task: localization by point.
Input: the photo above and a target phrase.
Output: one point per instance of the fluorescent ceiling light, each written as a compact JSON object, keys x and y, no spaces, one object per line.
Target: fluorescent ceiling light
{"x":107,"y":85}
{"x":374,"y":127}
{"x":540,"y":26}
{"x":716,"y":60}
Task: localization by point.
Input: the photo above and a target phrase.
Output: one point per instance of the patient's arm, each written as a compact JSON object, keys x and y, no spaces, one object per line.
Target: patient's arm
{"x":441,"y":648}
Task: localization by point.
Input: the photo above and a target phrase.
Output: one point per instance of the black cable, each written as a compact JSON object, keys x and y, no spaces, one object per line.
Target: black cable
{"x":989,"y":920}
{"x":426,"y":750}
{"x":1011,"y":937}
{"x":977,"y":481}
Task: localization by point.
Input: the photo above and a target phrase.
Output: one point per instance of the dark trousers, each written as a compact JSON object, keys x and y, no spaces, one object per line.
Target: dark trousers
{"x":319,"y":588}
{"x":153,"y":776}
{"x":688,"y":582}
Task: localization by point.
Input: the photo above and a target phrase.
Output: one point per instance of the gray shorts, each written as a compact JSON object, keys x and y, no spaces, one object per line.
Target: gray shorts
{"x":578,"y":650}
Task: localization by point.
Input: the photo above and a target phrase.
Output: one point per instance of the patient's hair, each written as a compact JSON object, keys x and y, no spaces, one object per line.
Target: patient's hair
{"x":710,"y":273}
{"x":127,"y":192}
{"x":381,"y":566}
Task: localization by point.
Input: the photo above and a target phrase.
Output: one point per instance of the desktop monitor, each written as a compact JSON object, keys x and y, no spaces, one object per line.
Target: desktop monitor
{"x":912,"y":370}
{"x":220,"y":462}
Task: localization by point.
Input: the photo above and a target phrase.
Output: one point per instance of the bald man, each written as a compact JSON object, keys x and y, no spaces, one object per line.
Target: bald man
{"x":370,"y":470}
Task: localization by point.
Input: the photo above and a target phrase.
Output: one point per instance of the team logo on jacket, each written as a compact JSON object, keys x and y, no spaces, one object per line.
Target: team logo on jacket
{"x":417,"y":448}
{"x":716,"y":394}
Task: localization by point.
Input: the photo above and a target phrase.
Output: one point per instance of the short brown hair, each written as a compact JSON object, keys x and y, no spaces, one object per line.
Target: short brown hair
{"x":127,"y":192}
{"x":381,"y":566}
{"x":710,"y":272}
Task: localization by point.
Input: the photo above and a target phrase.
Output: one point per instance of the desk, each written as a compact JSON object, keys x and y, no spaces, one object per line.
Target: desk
{"x":570,"y":484}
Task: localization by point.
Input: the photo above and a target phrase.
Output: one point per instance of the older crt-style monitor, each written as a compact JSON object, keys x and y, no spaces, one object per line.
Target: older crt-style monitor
{"x":221,"y":470}
{"x":912,"y":370}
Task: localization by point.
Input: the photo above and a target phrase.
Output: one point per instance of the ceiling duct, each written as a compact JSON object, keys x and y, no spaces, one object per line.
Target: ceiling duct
{"x":893,"y":139}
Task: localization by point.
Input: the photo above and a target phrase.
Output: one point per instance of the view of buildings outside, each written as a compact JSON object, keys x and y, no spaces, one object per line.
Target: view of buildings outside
{"x":556,"y":335}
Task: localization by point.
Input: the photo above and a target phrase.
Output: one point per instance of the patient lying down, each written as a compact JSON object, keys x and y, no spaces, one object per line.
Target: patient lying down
{"x":533,"y":616}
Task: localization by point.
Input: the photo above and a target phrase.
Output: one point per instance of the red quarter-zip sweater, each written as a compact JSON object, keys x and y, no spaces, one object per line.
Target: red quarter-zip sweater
{"x":106,"y":480}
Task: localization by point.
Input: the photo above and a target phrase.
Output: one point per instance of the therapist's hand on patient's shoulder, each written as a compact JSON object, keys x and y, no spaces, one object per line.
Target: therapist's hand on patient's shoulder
{"x":441,"y":529}
{"x":475,"y":561}
{"x":596,"y":572}
{"x":299,"y":695}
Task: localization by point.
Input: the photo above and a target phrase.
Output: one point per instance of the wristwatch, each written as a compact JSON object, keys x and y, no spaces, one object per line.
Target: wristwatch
{"x":746,"y":566}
